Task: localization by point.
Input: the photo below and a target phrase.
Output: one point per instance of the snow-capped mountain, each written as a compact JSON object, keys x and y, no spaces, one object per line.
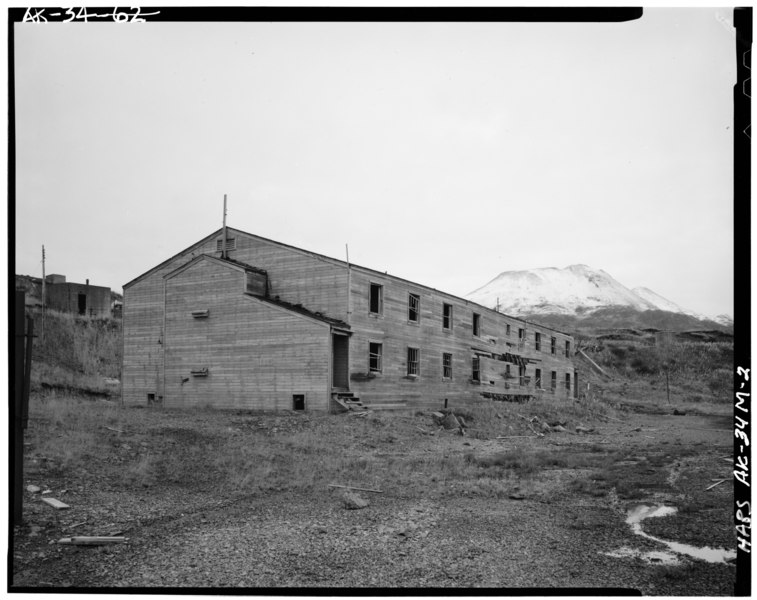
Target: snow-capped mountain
{"x":575,"y":290}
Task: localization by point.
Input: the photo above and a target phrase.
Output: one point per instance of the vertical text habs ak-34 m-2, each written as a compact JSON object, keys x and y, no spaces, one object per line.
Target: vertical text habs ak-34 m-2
{"x":240,"y":321}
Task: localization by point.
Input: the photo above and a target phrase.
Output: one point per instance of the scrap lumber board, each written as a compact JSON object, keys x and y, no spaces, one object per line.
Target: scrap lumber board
{"x":55,"y":503}
{"x":93,"y":540}
{"x":349,"y":487}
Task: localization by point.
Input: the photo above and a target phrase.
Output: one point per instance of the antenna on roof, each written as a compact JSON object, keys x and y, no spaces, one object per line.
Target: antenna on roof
{"x":223,"y":246}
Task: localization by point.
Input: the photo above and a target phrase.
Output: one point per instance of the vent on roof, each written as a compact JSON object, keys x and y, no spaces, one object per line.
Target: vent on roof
{"x":200,"y":314}
{"x":231,"y":244}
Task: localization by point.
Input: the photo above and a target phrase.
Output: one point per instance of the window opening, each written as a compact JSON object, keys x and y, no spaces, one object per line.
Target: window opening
{"x":553,"y":345}
{"x":446,"y":316}
{"x":554,"y":380}
{"x":82,"y":304}
{"x":507,"y":329}
{"x":567,"y":348}
{"x":447,"y":365}
{"x":521,"y":334}
{"x":567,"y":381}
{"x":412,"y":361}
{"x":476,"y":369}
{"x":376,"y":299}
{"x":476,"y":324}
{"x":537,"y":378}
{"x":522,"y":375}
{"x":414,"y":308}
{"x":537,"y":340}
{"x":298,"y":402}
{"x":374,"y":356}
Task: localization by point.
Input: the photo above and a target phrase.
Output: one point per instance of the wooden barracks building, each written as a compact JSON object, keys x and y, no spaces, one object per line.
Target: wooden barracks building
{"x":257,"y":324}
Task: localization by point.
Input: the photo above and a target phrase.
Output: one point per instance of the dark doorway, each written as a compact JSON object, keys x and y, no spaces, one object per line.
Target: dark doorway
{"x":82,"y":304}
{"x":298,"y":402}
{"x":339,"y":375}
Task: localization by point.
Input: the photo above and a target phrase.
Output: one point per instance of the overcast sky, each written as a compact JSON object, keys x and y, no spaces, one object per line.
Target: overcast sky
{"x":444,"y":153}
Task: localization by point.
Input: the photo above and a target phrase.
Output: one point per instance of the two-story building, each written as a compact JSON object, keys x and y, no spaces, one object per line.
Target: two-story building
{"x":248,"y":322}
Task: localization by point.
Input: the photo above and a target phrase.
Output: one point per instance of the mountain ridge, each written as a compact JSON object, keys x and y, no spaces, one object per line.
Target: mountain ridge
{"x":579,"y":292}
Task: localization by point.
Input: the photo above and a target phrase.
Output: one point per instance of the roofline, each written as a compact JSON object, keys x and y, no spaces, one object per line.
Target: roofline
{"x":197,"y":259}
{"x":346,"y":265}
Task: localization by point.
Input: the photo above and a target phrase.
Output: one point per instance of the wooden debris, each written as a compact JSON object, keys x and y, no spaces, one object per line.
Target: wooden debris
{"x":57,"y":504}
{"x":33,"y":489}
{"x":76,"y":525}
{"x":93,"y":540}
{"x":504,"y":437}
{"x":714,"y":484}
{"x":112,"y":429}
{"x":349,"y":487}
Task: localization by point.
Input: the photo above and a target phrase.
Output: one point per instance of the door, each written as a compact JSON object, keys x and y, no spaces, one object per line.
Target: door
{"x":82,"y":304}
{"x":340,"y":361}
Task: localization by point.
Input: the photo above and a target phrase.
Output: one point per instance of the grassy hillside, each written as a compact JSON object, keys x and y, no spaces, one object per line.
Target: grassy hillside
{"x":75,"y":352}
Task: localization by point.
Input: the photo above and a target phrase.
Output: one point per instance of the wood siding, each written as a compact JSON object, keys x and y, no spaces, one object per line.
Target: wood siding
{"x":293,"y":348}
{"x":393,"y":329}
{"x":246,"y":353}
{"x":297,"y":276}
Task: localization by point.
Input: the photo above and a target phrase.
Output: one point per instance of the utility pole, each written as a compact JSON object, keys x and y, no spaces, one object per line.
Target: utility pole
{"x":44,"y":296}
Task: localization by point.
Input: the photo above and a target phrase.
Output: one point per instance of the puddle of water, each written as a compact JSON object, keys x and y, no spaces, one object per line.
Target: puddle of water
{"x":638,"y":514}
{"x":653,"y":558}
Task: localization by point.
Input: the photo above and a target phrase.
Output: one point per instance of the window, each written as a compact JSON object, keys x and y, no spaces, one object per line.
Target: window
{"x":447,"y":365}
{"x":567,"y":348}
{"x":508,"y":374}
{"x":413,"y":308}
{"x":553,"y":345}
{"x":298,"y":402}
{"x":476,"y":324}
{"x":554,"y":380}
{"x":522,"y":375}
{"x":256,"y":283}
{"x":377,"y":299}
{"x":521,"y":334}
{"x":537,"y":378}
{"x":412,"y":361}
{"x":507,"y":329}
{"x":567,"y":381}
{"x":476,"y":369}
{"x":446,"y":316}
{"x":374,"y":357}
{"x":231,"y":244}
{"x":537,"y":340}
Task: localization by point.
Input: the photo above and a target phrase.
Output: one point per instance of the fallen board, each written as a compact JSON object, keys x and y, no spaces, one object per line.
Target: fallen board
{"x":55,"y":503}
{"x":95,"y":540}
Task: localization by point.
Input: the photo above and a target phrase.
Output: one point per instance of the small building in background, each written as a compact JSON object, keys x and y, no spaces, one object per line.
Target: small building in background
{"x":77,"y":298}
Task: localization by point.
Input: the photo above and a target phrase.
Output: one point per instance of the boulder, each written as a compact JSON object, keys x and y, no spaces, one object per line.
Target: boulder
{"x":352,"y":501}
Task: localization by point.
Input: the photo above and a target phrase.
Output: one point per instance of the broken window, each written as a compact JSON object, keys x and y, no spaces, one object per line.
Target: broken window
{"x":521,"y":334}
{"x":447,"y":365}
{"x":567,"y":348}
{"x":446,"y":316}
{"x":413,"y":308}
{"x":374,"y":356}
{"x":476,"y":369}
{"x":567,"y":381}
{"x":522,"y":375}
{"x":507,"y":329}
{"x":553,"y":345}
{"x":476,"y":324}
{"x":377,"y":299}
{"x":554,"y":380}
{"x":537,"y":378}
{"x":508,"y":374}
{"x":412,"y":361}
{"x":537,"y":340}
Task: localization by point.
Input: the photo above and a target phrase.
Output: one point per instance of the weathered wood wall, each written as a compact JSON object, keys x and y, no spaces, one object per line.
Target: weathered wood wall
{"x":256,"y":355}
{"x":392,"y":329}
{"x":318,"y":283}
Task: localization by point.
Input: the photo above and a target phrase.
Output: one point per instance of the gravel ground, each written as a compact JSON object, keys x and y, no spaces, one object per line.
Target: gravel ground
{"x":548,"y":536}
